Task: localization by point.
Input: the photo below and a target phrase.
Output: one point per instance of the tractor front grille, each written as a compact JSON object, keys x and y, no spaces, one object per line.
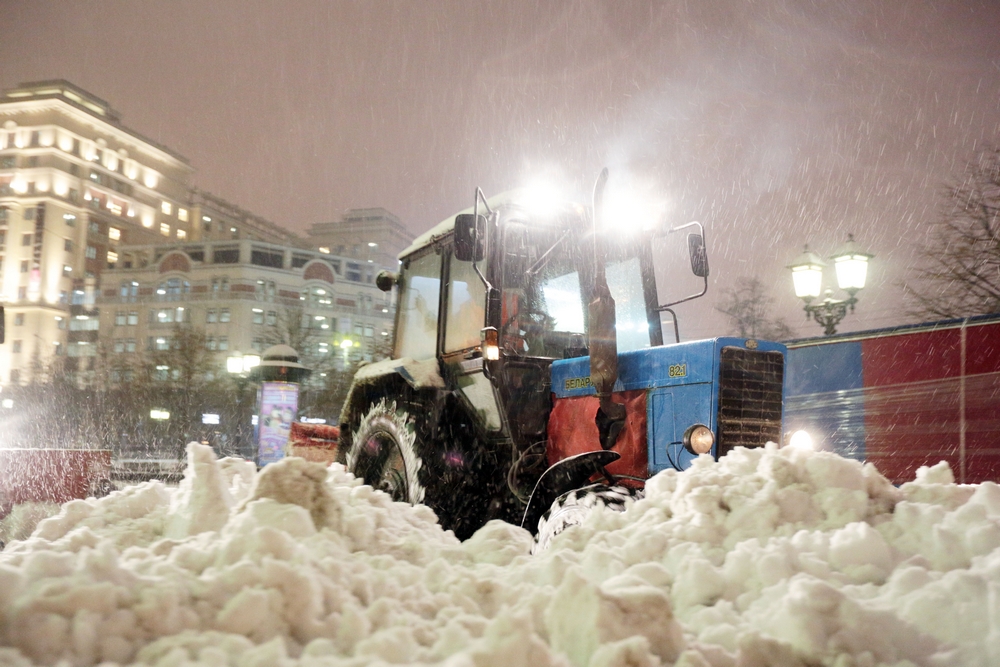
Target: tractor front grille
{"x":750,"y":384}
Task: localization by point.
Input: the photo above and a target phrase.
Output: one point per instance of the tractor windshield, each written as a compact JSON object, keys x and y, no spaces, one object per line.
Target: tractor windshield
{"x":546,"y":288}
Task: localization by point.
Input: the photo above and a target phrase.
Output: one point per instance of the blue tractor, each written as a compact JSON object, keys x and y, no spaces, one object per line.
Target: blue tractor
{"x":529,"y":379}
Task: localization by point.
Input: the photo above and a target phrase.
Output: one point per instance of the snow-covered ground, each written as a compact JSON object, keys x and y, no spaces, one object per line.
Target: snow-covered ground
{"x":768,"y":557}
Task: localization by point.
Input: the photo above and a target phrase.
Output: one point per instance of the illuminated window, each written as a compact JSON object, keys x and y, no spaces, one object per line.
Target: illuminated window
{"x":258,"y":316}
{"x":165,"y":229}
{"x":114,"y":233}
{"x":172,"y":288}
{"x":324,"y":249}
{"x":182,"y":214}
{"x":112,"y":257}
{"x":181,"y":234}
{"x":166,"y":208}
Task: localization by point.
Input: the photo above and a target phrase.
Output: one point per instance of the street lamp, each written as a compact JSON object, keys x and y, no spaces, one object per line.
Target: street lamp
{"x":807,"y":278}
{"x":237,"y":363}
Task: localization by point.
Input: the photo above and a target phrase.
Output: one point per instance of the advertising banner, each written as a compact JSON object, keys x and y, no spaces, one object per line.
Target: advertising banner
{"x":279,"y":402}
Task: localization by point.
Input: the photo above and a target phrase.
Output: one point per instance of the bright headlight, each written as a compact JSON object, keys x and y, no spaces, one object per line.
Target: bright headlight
{"x":632,"y":205}
{"x":541,"y":198}
{"x":801,"y":440}
{"x":699,"y":439}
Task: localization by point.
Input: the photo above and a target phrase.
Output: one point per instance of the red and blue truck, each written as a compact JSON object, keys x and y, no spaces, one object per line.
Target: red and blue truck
{"x":903,"y":397}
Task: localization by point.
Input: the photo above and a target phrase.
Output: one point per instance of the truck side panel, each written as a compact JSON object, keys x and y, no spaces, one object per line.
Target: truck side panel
{"x":904,"y":398}
{"x":825,"y":396}
{"x":911,"y":403}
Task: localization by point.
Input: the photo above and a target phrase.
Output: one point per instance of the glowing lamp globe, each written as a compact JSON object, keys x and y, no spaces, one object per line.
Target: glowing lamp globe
{"x":852,"y":266}
{"x":234,"y":364}
{"x":807,"y":275}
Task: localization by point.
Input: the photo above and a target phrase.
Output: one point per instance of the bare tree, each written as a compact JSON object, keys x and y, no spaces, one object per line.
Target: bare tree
{"x":748,"y":309}
{"x":295,"y":327}
{"x":181,"y":379}
{"x":961,"y":260}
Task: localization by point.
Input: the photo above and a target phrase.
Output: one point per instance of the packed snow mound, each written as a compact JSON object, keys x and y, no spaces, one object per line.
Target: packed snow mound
{"x":767,"y":557}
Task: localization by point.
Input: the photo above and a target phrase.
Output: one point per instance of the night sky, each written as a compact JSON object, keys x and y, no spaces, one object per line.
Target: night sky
{"x":773,"y":122}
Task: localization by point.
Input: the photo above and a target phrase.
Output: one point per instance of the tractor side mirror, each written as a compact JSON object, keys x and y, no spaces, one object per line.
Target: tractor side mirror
{"x":386,"y":280}
{"x":699,"y":258}
{"x":470,"y":234}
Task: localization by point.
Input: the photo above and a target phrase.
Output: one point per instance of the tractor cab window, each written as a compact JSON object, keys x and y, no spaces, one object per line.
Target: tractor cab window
{"x":625,"y":282}
{"x":545,"y":296}
{"x":420,"y":284}
{"x":466,"y":306}
{"x":543,"y":300}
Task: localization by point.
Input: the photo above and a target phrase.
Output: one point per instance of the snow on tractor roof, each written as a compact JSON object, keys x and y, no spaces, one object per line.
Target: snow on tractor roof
{"x":504,"y":199}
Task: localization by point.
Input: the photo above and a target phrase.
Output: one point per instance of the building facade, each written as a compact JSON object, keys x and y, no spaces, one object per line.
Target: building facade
{"x":95,"y":219}
{"x":74,"y":182}
{"x":366,"y":235}
{"x":245,"y":296}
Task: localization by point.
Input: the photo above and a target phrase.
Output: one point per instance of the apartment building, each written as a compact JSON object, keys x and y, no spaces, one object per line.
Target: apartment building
{"x":74,"y":183}
{"x":241,"y":293}
{"x":88,"y":205}
{"x":366,"y":235}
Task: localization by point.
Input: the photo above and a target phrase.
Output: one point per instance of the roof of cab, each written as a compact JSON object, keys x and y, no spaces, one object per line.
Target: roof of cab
{"x":447,"y":226}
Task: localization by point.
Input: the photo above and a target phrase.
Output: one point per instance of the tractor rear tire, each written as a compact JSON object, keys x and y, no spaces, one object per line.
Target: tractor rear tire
{"x":573,"y":508}
{"x":384,"y":454}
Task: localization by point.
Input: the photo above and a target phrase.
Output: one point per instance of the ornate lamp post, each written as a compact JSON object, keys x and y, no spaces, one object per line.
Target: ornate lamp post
{"x":807,"y":278}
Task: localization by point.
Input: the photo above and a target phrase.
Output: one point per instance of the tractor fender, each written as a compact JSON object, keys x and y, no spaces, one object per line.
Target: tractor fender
{"x":566,"y":475}
{"x":417,"y":374}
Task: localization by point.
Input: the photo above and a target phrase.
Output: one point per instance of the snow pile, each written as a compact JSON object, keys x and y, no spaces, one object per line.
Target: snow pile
{"x":765,"y":558}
